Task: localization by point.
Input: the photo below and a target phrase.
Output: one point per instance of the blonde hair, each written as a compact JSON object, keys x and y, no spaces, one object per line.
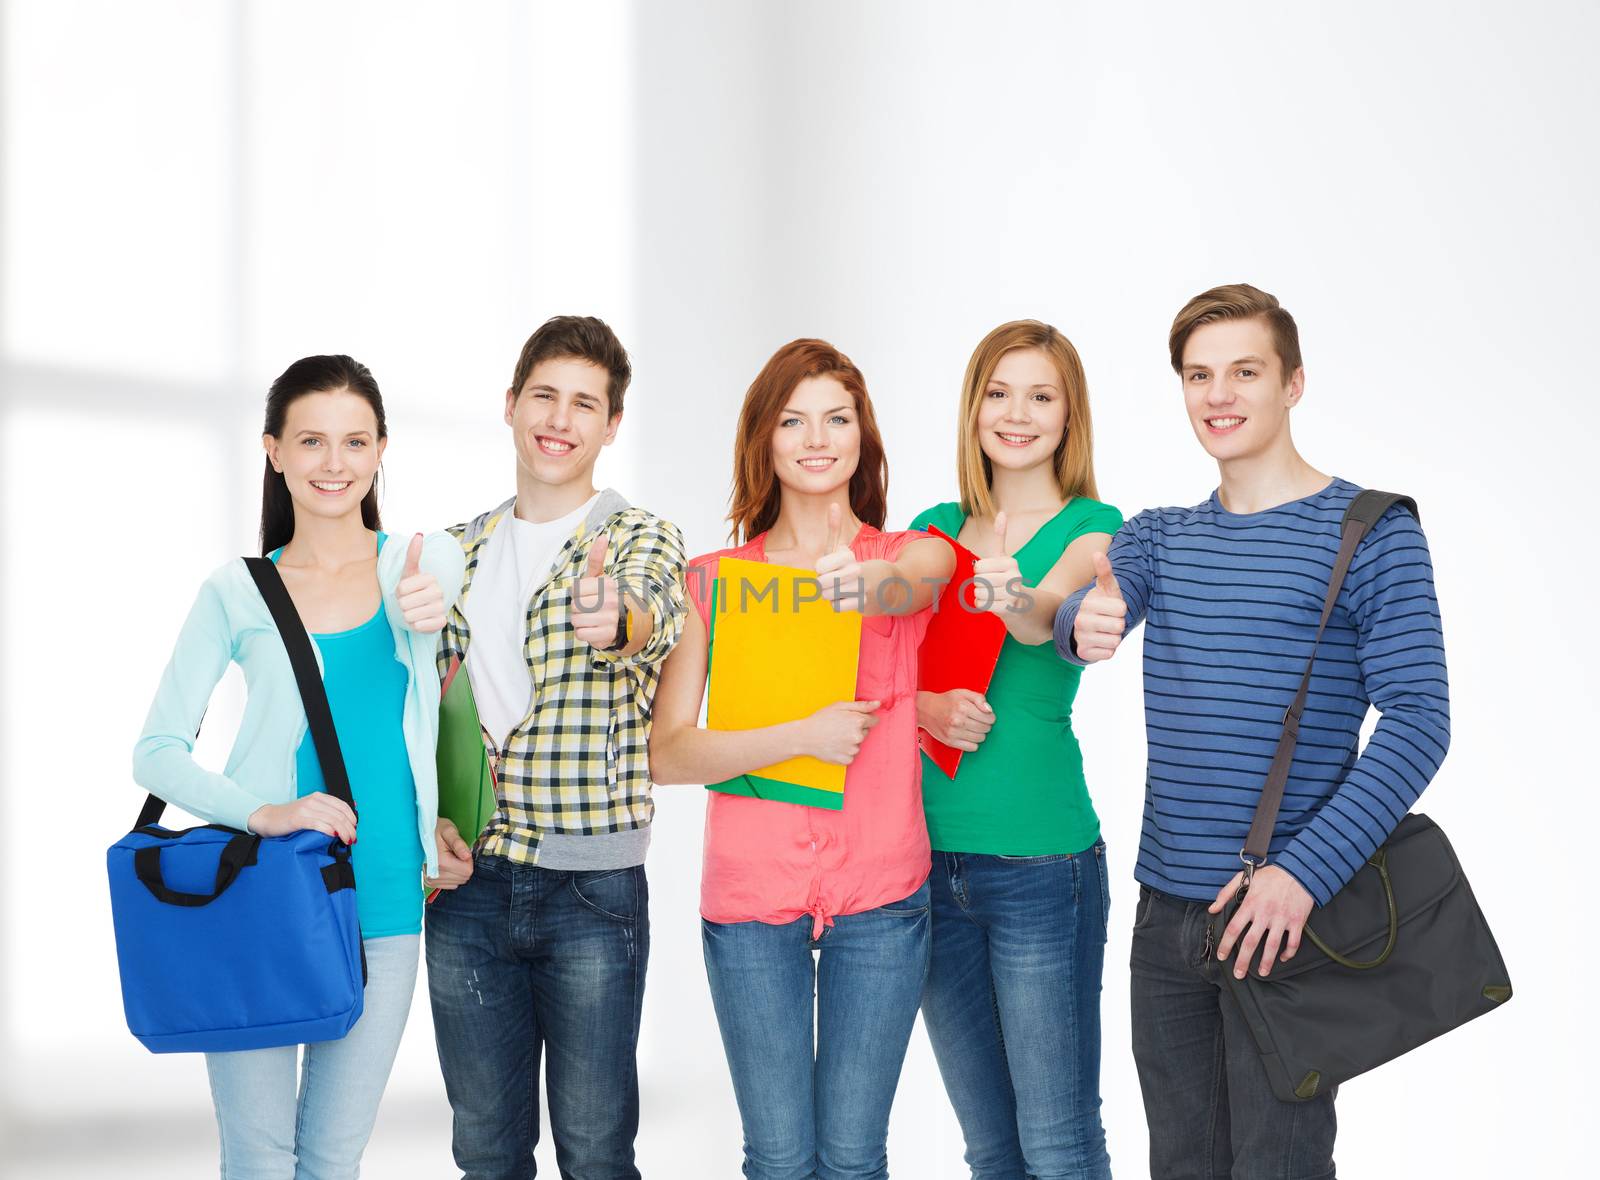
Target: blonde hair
{"x":1074,"y":458}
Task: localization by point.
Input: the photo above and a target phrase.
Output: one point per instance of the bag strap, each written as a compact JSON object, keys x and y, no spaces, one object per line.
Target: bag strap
{"x":307,"y":676}
{"x":1364,"y":511}
{"x":303,"y":659}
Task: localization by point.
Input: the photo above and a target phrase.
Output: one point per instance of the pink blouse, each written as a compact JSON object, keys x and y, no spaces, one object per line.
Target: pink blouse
{"x":767,"y":861}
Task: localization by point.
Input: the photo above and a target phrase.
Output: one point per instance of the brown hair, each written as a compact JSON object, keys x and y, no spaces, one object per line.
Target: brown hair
{"x":756,"y":492}
{"x":1074,"y":458}
{"x":584,"y":338}
{"x":1237,"y":301}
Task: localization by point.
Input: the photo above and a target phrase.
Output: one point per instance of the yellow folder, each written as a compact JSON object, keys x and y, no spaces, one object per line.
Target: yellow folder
{"x":779,"y":652}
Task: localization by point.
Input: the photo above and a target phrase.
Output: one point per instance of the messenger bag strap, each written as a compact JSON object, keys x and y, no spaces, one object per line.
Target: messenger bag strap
{"x":1364,"y":511}
{"x":150,"y":813}
{"x":306,"y":674}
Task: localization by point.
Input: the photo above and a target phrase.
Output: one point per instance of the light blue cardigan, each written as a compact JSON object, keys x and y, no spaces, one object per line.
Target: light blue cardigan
{"x":230,"y":623}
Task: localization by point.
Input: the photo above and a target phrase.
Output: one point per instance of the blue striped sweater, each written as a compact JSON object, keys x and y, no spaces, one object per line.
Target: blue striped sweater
{"x":1231,"y":602}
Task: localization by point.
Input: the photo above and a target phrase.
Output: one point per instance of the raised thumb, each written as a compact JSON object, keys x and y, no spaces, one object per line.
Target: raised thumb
{"x":413,"y":557}
{"x":1104,"y":580}
{"x":597,"y":557}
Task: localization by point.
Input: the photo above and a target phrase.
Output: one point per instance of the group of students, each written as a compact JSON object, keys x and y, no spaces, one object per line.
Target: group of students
{"x":980,"y":900}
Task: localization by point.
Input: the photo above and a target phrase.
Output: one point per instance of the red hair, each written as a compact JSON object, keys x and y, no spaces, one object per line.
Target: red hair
{"x":756,"y":491}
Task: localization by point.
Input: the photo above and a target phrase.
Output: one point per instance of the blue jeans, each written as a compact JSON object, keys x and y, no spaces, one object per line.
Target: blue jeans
{"x":1211,"y":1109}
{"x":273,"y":1129}
{"x":522,"y":961}
{"x":814,"y":1091}
{"x":1012,"y":1008}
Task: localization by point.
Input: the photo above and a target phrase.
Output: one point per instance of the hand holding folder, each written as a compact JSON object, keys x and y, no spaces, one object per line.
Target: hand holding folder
{"x":960,"y":649}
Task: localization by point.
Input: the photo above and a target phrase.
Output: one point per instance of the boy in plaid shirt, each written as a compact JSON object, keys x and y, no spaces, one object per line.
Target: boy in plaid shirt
{"x":541,"y":934}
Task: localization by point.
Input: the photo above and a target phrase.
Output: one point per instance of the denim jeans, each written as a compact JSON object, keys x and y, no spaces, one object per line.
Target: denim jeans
{"x":273,"y":1129}
{"x":1211,"y":1110}
{"x":522,"y":961}
{"x":1012,"y":1007}
{"x":814,"y":1091}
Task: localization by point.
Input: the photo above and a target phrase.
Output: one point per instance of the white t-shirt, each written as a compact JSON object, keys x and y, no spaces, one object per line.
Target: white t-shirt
{"x":516,"y":560}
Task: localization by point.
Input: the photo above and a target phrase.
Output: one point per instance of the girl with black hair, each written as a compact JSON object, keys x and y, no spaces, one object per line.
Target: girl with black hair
{"x":373,"y":605}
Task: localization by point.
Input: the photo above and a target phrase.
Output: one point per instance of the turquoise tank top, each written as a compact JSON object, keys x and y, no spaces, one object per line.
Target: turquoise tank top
{"x":366,"y":688}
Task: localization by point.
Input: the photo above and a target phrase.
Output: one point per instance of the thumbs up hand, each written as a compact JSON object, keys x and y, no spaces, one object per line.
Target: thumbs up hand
{"x":596,"y":600}
{"x":1102,"y":616}
{"x":420,"y":596}
{"x":997,"y":581}
{"x":842,"y":578}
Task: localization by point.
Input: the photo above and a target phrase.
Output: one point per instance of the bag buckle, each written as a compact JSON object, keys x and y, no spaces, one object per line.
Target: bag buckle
{"x":1251,"y":864}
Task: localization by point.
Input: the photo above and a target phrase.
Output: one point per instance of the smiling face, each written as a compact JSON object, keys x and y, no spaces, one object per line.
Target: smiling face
{"x":560,"y":419}
{"x":328,"y":452}
{"x":1235,"y":389}
{"x":816,"y":444}
{"x":1023,"y":416}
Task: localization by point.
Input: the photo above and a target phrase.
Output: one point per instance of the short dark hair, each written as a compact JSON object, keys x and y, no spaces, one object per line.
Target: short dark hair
{"x":580,"y":337}
{"x":1237,"y":301}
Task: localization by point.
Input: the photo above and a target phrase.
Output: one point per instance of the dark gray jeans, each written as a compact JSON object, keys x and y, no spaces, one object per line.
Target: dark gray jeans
{"x":1211,"y":1111}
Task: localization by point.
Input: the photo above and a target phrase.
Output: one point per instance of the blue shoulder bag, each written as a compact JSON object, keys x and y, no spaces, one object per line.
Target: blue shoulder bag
{"x":228,"y":940}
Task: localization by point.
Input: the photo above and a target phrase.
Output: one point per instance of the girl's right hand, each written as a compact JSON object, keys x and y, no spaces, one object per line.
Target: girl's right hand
{"x":835,"y":733}
{"x":960,"y":718}
{"x":319,"y":812}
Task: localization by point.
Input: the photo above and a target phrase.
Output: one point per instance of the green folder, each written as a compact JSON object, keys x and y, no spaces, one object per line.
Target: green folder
{"x":466,"y":784}
{"x":757,"y":787}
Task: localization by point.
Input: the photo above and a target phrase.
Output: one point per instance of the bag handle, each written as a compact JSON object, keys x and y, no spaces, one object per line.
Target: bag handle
{"x":313,"y":694}
{"x":237,"y":854}
{"x":1364,"y":511}
{"x":1380,"y":861}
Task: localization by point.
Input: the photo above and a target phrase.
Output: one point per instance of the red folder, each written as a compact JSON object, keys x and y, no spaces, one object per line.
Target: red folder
{"x":960,"y":649}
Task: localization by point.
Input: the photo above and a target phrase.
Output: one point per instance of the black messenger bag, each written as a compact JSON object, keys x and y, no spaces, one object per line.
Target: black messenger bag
{"x":1400,"y":955}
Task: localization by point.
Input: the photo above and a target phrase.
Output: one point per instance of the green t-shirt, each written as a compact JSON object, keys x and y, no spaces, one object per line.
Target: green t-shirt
{"x":1022,"y":792}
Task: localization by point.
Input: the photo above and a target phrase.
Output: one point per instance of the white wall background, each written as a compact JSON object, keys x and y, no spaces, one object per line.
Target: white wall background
{"x":193,"y":194}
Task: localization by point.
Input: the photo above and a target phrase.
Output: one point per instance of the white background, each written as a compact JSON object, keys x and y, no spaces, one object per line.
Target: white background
{"x":194,"y":194}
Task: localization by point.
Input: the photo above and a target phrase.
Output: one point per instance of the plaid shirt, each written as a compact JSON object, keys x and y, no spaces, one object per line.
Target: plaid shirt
{"x":578,"y":764}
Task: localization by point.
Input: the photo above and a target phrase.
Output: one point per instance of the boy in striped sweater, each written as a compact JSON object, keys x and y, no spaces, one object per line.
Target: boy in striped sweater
{"x":1231,"y":591}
